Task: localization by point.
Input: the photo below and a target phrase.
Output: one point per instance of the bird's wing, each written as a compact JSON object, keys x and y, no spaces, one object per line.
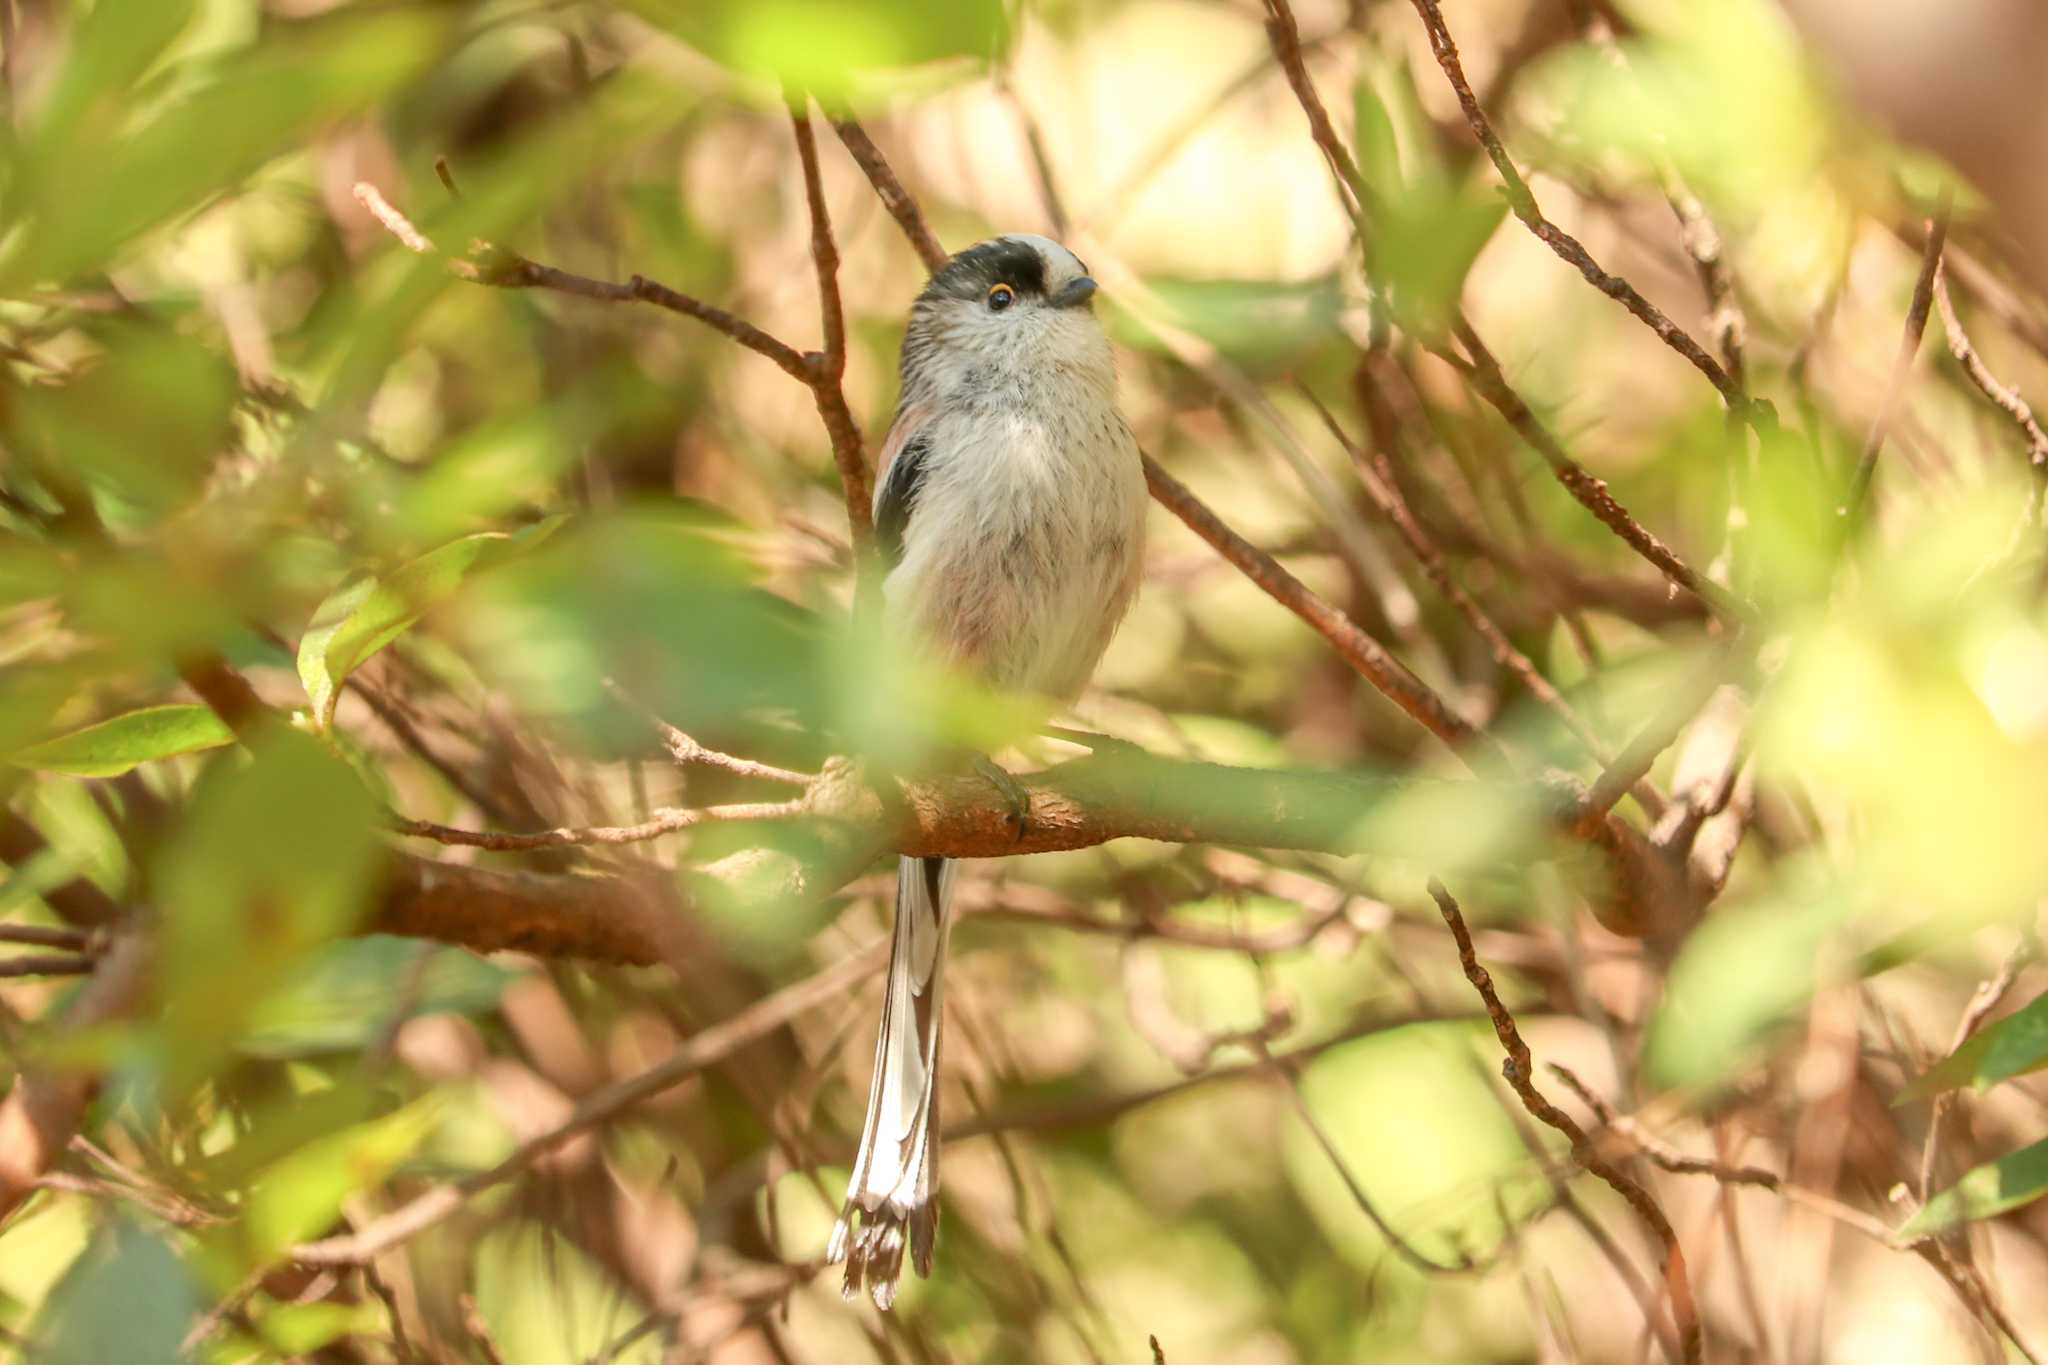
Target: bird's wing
{"x":902,"y":470}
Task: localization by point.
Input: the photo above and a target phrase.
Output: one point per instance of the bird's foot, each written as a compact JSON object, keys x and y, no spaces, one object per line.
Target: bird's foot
{"x":1011,"y":790}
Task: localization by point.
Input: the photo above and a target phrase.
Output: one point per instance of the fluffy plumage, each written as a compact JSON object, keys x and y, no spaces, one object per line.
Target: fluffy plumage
{"x":1011,"y":506}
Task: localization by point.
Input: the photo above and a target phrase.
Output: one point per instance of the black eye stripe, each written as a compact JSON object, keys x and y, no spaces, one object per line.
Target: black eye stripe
{"x":970,"y":275}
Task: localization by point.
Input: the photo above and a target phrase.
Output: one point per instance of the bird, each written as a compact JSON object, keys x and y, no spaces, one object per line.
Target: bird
{"x":1010,"y":513}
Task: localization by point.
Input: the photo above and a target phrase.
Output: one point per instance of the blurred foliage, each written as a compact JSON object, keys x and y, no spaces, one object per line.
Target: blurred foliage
{"x":464,"y":540}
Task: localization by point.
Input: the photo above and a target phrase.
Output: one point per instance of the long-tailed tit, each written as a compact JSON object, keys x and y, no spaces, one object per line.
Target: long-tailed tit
{"x":1011,"y":507}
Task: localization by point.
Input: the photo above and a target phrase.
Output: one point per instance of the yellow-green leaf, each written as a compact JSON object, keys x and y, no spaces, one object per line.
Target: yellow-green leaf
{"x":2011,"y":1047}
{"x":1997,"y":1186}
{"x":113,"y":746}
{"x":362,"y":617}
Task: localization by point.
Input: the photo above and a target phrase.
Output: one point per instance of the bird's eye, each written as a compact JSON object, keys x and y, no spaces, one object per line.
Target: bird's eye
{"x":1001,"y":296}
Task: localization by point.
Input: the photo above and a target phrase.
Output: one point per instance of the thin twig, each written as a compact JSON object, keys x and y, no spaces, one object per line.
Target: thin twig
{"x":1353,"y":645}
{"x":1902,"y":363}
{"x":1041,"y":163}
{"x":1284,"y":36}
{"x":1697,"y":234}
{"x":1987,"y":383}
{"x":503,"y":269}
{"x":705,"y":1049}
{"x":40,"y":936}
{"x":1568,"y":248}
{"x":1982,"y":1001}
{"x":1657,"y":735}
{"x":1376,"y":475}
{"x":1464,"y":1265}
{"x":667,"y":820}
{"x":1518,"y":1070}
{"x":827,"y":369}
{"x":889,"y":189}
{"x":1485,"y":374}
{"x":685,"y":750}
{"x":46,"y":964}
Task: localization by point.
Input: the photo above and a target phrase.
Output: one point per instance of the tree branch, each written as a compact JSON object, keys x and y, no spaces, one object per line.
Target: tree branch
{"x":2003,"y":397}
{"x":1567,"y":247}
{"x":902,"y":207}
{"x":1519,"y":1071}
{"x":704,"y":1049}
{"x":1485,"y":374}
{"x":502,"y":269}
{"x":43,"y":1110}
{"x":827,"y":370}
{"x":1902,"y":363}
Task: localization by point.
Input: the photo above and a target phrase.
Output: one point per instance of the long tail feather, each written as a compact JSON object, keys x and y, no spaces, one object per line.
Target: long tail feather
{"x":892,"y":1200}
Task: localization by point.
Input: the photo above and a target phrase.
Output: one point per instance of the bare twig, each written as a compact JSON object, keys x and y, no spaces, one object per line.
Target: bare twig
{"x":1041,"y":163}
{"x":503,"y":269}
{"x":1485,"y":374}
{"x":1376,"y":475}
{"x":894,"y":197}
{"x":40,"y":936}
{"x":1987,"y":383}
{"x":827,"y":370}
{"x":1518,"y":1070}
{"x":1402,"y":1248}
{"x":80,"y":901}
{"x":686,"y":751}
{"x":479,"y":1331}
{"x":1657,"y":735}
{"x":706,"y":1049}
{"x":1568,"y":248}
{"x":1697,"y":233}
{"x":43,"y":1110}
{"x":666,"y":821}
{"x":1982,"y":1001}
{"x":46,"y":964}
{"x":1284,"y":36}
{"x":1902,"y":363}
{"x":1353,"y":645}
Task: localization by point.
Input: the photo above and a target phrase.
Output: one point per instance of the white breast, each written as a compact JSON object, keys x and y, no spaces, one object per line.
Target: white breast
{"x":1021,"y":554}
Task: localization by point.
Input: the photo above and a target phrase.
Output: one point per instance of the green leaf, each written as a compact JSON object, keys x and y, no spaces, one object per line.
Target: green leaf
{"x":343,"y":997}
{"x":298,"y":1197}
{"x":276,"y":857}
{"x":362,"y":617}
{"x":836,"y":49}
{"x":1417,"y":1126}
{"x":2011,"y":1047}
{"x":113,"y":746}
{"x":147,"y":170}
{"x":128,"y":1298}
{"x":145,"y":418}
{"x":2014,"y":1179}
{"x":1744,"y":972}
{"x":1266,"y":326}
{"x":1378,"y":152}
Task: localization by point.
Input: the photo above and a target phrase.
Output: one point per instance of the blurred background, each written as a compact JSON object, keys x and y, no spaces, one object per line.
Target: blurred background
{"x":306,"y":532}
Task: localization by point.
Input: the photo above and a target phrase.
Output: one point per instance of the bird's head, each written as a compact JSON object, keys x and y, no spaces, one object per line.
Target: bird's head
{"x":1010,"y":306}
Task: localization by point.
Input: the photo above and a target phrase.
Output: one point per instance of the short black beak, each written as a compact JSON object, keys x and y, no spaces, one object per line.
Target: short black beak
{"x":1076,"y":293}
